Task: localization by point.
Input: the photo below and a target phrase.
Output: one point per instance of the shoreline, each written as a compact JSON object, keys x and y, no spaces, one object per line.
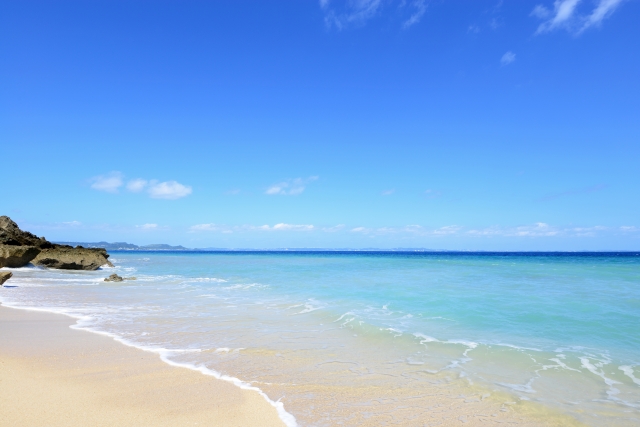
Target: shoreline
{"x":464,"y":401}
{"x":53,"y":373}
{"x":87,"y":371}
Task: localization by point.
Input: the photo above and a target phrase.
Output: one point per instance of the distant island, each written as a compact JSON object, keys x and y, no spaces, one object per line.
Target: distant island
{"x":124,"y":246}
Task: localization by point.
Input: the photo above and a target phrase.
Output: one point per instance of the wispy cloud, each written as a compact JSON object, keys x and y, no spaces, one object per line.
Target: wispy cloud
{"x":577,"y":191}
{"x":244,"y":228}
{"x":136,"y":185}
{"x":508,"y":58}
{"x":110,"y":182}
{"x":360,"y":230}
{"x":388,"y":192}
{"x":341,"y":14}
{"x":334,"y":229}
{"x":541,"y":229}
{"x":150,"y":227}
{"x":538,"y":229}
{"x":565,"y":15}
{"x":292,"y":187}
{"x":420,"y":9}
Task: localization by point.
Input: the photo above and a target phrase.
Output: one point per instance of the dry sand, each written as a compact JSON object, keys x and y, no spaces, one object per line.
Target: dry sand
{"x":51,"y":375}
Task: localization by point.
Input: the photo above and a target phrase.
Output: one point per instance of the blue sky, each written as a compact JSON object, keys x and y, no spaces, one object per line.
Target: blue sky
{"x":497,"y":125}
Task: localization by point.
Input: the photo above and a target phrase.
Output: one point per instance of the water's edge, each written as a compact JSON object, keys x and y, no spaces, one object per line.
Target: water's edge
{"x":288,"y":419}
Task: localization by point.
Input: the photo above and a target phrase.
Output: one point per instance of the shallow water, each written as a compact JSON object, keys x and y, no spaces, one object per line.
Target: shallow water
{"x":363,"y":338}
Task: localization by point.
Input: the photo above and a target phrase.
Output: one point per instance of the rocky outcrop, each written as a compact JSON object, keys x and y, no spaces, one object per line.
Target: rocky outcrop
{"x":17,"y":256}
{"x":18,"y":248}
{"x":70,"y":258}
{"x":115,"y":278}
{"x":4,"y":276}
{"x":10,"y":234}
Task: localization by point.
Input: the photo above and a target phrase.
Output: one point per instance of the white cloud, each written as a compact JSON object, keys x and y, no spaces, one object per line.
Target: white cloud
{"x":148,"y":226}
{"x":136,"y":185}
{"x":603,"y":10}
{"x":421,"y":8}
{"x":539,"y":229}
{"x":170,"y":190}
{"x":291,"y":187}
{"x":244,"y":228}
{"x":292,"y":227}
{"x":561,"y":15}
{"x":354,"y":12}
{"x":110,"y":182}
{"x":508,"y":58}
{"x":536,"y":230}
{"x":447,"y":230}
{"x":204,"y":227}
{"x":342,"y":14}
{"x":473,"y":28}
{"x":540,"y":12}
{"x":334,"y":229}
{"x":565,"y":15}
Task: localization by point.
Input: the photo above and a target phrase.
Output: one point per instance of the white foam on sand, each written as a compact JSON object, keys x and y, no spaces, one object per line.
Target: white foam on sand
{"x":82,"y":324}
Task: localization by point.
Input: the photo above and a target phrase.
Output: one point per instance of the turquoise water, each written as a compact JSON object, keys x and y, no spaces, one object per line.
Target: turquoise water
{"x":561,"y":330}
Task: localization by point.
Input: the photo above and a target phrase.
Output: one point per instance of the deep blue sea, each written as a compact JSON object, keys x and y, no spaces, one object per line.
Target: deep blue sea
{"x":322,"y":332}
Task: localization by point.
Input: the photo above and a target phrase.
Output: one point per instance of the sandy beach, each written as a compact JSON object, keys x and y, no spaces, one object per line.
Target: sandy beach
{"x":51,"y":375}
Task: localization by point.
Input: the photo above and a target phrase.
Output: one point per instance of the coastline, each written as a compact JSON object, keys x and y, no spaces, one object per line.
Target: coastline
{"x":51,"y":374}
{"x":55,"y":373}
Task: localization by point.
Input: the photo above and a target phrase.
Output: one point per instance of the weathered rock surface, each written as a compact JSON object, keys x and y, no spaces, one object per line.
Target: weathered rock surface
{"x":10,"y":234}
{"x":70,"y":258}
{"x":115,"y":278}
{"x":4,"y":276}
{"x":18,"y":248}
{"x":17,"y":256}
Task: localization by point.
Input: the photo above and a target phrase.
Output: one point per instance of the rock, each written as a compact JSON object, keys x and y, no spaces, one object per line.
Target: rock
{"x":17,"y":256}
{"x":114,"y":278}
{"x":18,"y":247}
{"x":130,"y":278}
{"x":10,"y":234}
{"x":4,"y":276}
{"x":69,"y":258}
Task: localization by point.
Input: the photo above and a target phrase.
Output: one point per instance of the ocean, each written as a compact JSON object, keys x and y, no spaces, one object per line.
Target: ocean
{"x":350,"y":338}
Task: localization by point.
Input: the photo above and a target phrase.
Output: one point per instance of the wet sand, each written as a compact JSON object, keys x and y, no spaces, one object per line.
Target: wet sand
{"x":51,"y":375}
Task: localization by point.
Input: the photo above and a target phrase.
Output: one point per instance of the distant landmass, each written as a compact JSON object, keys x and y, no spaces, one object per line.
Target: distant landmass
{"x":124,"y":246}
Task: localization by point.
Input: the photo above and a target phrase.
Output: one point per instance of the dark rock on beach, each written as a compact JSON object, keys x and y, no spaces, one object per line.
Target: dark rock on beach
{"x":115,"y":278}
{"x":70,"y":258}
{"x":4,"y":276}
{"x":10,"y":234}
{"x":18,"y":248}
{"x":17,"y":256}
